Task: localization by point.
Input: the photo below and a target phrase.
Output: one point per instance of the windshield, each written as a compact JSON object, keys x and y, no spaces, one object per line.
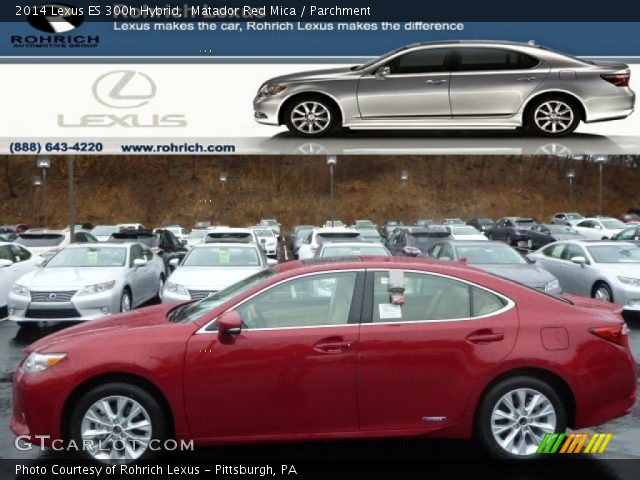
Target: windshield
{"x":217,"y":256}
{"x":304,"y":232}
{"x":525,"y":222}
{"x":485,"y":221}
{"x":613,"y":224}
{"x":464,"y":231}
{"x":489,"y":255}
{"x":424,"y":237}
{"x":198,"y":234}
{"x":150,"y":241}
{"x":369,"y":232}
{"x":562,"y":229}
{"x":574,"y":216}
{"x":338,"y":237}
{"x":331,"y":251}
{"x":229,"y":236}
{"x":192,"y":311}
{"x":364,"y":224}
{"x":267,"y":232}
{"x":42,"y":240}
{"x":615,"y":254}
{"x":89,"y":257}
{"x":104,"y":231}
{"x":268,"y":223}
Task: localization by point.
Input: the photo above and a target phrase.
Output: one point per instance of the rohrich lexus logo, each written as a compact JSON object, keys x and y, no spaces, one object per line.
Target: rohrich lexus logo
{"x":56,"y":18}
{"x":124,"y":90}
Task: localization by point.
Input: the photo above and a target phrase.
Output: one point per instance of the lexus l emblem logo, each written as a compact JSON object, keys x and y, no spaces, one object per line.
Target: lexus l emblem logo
{"x":51,"y":297}
{"x":124,"y":89}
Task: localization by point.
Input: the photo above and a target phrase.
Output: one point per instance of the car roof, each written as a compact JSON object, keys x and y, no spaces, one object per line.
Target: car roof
{"x":597,"y":218}
{"x":102,"y":244}
{"x":477,"y":243}
{"x":351,"y":244}
{"x":224,"y":244}
{"x":335,"y":230}
{"x":586,"y":243}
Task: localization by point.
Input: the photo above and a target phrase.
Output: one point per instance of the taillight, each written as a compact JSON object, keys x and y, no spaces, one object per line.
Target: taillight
{"x":617,"y":334}
{"x":618,"y":79}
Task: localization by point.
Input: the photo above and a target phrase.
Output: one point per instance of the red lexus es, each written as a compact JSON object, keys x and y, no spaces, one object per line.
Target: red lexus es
{"x":361,"y":348}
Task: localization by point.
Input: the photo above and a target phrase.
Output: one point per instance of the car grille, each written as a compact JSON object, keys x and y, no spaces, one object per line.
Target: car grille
{"x":200,"y":294}
{"x":52,"y":313}
{"x":52,"y":297}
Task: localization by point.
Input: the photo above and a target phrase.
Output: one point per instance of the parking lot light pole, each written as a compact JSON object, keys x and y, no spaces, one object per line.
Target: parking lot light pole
{"x":571,"y":174}
{"x":72,"y":200}
{"x":37,"y":182}
{"x":44,"y":163}
{"x":404,"y":176}
{"x":223,"y":181}
{"x":600,"y":160}
{"x":332,"y":161}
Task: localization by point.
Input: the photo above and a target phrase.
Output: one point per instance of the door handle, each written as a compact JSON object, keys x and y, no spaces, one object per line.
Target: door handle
{"x":526,"y":79}
{"x":436,"y":82}
{"x":332,"y":345}
{"x":484,"y":337}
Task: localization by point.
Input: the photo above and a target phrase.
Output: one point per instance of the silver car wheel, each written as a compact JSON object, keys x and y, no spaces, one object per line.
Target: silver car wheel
{"x":520,"y":419}
{"x":553,"y":116}
{"x":116,"y":428}
{"x":310,"y":117}
{"x":125,"y":302}
{"x":160,"y":288}
{"x":602,"y":293}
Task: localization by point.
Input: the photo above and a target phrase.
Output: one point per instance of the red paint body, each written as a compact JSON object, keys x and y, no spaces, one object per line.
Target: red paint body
{"x":349,"y":381}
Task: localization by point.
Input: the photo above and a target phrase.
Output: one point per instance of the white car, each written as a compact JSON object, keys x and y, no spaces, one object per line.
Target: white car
{"x":47,"y":243}
{"x":15,"y":261}
{"x":352,"y":249}
{"x":271,"y":223}
{"x":86,"y":282}
{"x":229,"y":234}
{"x":268,"y":239}
{"x":130,"y":226}
{"x":465,"y":232}
{"x":210,"y":267}
{"x":103,"y":232}
{"x":599,"y":228}
{"x":321,"y":235}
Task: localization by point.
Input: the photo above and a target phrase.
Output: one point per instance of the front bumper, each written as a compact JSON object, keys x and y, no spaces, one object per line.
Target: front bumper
{"x":195,"y":293}
{"x":77,"y":308}
{"x":628,"y":297}
{"x":266,"y":109}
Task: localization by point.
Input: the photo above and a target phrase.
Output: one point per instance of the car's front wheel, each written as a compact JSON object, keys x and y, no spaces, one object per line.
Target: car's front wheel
{"x":552,"y":116}
{"x":516,"y":414}
{"x":116,"y":422}
{"x":311,"y":116}
{"x":125,"y":301}
{"x":602,"y":291}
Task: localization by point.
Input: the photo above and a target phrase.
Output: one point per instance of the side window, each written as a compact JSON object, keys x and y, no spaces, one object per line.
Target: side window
{"x":6,"y":253}
{"x":399,"y":238}
{"x":427,"y":297}
{"x":628,"y":234}
{"x":554,"y":251}
{"x":80,"y":237}
{"x":480,"y":59}
{"x":436,"y":250}
{"x":427,"y":60}
{"x":20,"y":253}
{"x":573,"y":251}
{"x":484,"y":303}
{"x":447,"y":251}
{"x":314,"y":300}
{"x":544,"y":230}
{"x":587,"y":224}
{"x":136,"y":252}
{"x":147,"y":254}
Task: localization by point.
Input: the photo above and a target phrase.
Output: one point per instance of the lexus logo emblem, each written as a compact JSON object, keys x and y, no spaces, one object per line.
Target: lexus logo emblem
{"x":51,"y":297}
{"x":124,"y":89}
{"x":57,"y":18}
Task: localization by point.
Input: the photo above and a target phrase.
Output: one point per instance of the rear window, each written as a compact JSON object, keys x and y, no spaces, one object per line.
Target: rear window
{"x":40,"y":240}
{"x":525,"y":221}
{"x":228,"y":236}
{"x":338,"y":237}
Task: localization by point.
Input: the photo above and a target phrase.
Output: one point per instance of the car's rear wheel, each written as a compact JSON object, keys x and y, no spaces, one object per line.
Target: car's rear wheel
{"x":125,"y":301}
{"x":602,"y":291}
{"x":116,"y":422}
{"x":160,"y":288}
{"x":516,"y":414}
{"x":311,"y":116}
{"x":552,"y":116}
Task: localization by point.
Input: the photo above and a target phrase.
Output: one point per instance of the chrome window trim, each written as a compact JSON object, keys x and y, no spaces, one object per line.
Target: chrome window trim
{"x":203,"y":329}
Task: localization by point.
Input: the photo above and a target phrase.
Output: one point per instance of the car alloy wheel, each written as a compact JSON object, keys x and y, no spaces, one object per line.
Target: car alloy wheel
{"x":553,"y":117}
{"x":310,"y":117}
{"x":116,"y":428}
{"x":603,"y":293}
{"x":520,"y":419}
{"x":160,"y":288}
{"x":125,"y":302}
{"x":530,"y":244}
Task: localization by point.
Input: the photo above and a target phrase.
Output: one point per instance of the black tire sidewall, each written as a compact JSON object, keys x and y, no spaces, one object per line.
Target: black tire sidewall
{"x":333,"y":123}
{"x":603,"y":284}
{"x":530,"y":120}
{"x":483,"y":417}
{"x":126,"y":292}
{"x":144,"y":398}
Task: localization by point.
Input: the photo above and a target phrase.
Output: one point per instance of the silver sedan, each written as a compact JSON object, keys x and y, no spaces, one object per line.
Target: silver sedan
{"x":87,"y":282}
{"x":444,"y":85}
{"x":605,"y":270}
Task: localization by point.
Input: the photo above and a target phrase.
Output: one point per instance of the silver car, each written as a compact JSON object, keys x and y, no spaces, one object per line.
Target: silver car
{"x":499,"y":259}
{"x":606,"y":270}
{"x":355,"y":249}
{"x":457,"y":84}
{"x":87,"y":282}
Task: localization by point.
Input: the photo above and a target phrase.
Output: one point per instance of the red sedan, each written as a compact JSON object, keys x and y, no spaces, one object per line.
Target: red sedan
{"x":373,"y":347}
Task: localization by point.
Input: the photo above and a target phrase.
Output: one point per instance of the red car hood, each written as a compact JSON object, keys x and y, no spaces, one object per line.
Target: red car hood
{"x":586,"y":302}
{"x":145,"y":317}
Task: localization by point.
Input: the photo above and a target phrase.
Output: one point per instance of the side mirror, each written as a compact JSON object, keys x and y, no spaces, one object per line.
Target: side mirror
{"x":579,"y":260}
{"x":174,"y":262}
{"x":229,"y":323}
{"x":382,"y":73}
{"x":271,"y":262}
{"x":5,"y":263}
{"x":139,"y":262}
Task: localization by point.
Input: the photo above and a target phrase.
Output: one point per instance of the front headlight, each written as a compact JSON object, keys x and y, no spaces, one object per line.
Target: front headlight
{"x":270,"y":89}
{"x":37,"y":362}
{"x":97,"y":288}
{"x":634,"y":282}
{"x":21,"y":290}
{"x":176,"y":288}
{"x":552,"y":285}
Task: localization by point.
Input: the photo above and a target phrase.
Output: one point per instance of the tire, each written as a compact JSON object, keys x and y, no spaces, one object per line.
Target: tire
{"x":160,"y":289}
{"x":28,"y":325}
{"x":122,"y":398}
{"x":494,"y":401}
{"x":530,"y":244}
{"x":324,"y":115}
{"x":490,"y":236}
{"x":552,"y":116}
{"x":602,"y":291}
{"x":126,"y":294}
